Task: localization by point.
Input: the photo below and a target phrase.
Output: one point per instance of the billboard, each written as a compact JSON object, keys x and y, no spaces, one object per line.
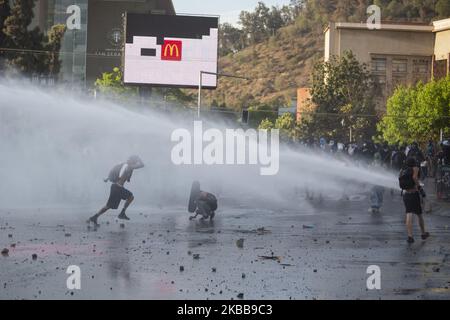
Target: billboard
{"x":169,"y":50}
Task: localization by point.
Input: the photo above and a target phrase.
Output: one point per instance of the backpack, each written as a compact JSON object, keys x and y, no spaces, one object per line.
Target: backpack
{"x":405,"y":179}
{"x":212,"y":201}
{"x":114,"y":174}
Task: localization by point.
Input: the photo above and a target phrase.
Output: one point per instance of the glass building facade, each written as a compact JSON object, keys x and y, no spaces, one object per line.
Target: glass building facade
{"x":92,"y":43}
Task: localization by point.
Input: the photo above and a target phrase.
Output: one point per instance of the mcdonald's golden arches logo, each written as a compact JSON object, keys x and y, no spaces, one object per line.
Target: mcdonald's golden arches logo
{"x":172,"y":50}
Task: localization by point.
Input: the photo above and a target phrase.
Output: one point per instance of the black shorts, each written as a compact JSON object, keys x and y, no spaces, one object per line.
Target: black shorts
{"x":413,"y":203}
{"x":118,"y":193}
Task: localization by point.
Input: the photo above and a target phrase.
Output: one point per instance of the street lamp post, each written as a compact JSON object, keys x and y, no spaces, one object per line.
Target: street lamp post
{"x":200,"y":84}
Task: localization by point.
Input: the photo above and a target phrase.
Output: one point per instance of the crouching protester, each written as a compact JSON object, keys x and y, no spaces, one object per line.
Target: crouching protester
{"x":412,"y":197}
{"x":202,"y":203}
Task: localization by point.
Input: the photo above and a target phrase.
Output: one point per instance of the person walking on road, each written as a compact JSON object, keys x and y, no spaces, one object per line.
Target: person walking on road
{"x":409,"y":183}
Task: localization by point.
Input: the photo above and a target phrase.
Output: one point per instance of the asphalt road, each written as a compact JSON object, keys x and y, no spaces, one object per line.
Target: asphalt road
{"x":317,"y":251}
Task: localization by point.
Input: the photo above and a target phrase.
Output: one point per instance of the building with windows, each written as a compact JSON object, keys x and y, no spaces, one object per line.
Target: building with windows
{"x":398,"y":54}
{"x":93,"y":41}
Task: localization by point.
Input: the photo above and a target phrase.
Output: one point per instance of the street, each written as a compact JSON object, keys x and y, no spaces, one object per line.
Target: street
{"x":322,"y":252}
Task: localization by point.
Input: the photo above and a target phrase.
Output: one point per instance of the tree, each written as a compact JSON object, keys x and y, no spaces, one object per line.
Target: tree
{"x":285,"y":123}
{"x":4,"y":13}
{"x":274,"y":21}
{"x":393,"y":127}
{"x":287,"y":126}
{"x":34,"y":53}
{"x":16,"y":30}
{"x":178,"y":96}
{"x":417,"y":113}
{"x":53,"y":45}
{"x":443,"y":8}
{"x":231,"y":39}
{"x":343,"y":92}
{"x":111,"y":85}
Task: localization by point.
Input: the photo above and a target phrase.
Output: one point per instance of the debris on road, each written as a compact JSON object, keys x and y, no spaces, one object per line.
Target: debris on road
{"x":272,"y":257}
{"x":5,"y":252}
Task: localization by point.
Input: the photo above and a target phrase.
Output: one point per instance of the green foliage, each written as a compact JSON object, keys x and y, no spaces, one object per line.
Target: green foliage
{"x":231,"y":39}
{"x":177,"y":95}
{"x":53,"y":45}
{"x":287,"y":126}
{"x":264,"y":22}
{"x":342,"y":88}
{"x":285,"y":123}
{"x":417,"y":113}
{"x":266,"y":124}
{"x":259,"y":113}
{"x":111,"y":85}
{"x":5,"y":11}
{"x":35,"y":53}
{"x":443,"y":8}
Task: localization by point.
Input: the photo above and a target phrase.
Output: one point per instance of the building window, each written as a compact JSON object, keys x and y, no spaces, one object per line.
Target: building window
{"x":399,"y":81}
{"x":379,"y":65}
{"x":421,"y":66}
{"x":400,"y":65}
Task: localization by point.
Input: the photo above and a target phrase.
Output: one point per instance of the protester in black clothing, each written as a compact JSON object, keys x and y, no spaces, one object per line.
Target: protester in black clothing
{"x":409,"y":183}
{"x":398,"y":159}
{"x":204,"y":203}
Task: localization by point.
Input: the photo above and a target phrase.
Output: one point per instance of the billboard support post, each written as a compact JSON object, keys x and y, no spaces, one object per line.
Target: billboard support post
{"x":199,"y":93}
{"x":200,"y":82}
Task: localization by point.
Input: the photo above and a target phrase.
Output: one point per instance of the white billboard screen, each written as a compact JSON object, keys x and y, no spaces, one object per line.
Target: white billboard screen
{"x":165,"y":50}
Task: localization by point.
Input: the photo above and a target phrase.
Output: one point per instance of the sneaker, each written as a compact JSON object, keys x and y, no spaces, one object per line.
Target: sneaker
{"x":410,"y":240}
{"x":123,"y":216}
{"x":425,"y":236}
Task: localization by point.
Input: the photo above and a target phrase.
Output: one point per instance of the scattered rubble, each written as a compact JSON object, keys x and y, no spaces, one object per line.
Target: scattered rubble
{"x":272,"y":257}
{"x":5,"y":252}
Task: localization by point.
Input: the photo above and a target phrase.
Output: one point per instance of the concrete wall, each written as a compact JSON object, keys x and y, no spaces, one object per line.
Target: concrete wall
{"x":442,"y":46}
{"x":363,"y":43}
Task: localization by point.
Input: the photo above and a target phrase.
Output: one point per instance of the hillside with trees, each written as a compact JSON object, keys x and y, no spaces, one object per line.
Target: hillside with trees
{"x":277,"y":47}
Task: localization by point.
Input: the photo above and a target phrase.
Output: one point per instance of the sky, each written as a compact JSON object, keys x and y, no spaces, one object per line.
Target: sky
{"x":228,"y":10}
